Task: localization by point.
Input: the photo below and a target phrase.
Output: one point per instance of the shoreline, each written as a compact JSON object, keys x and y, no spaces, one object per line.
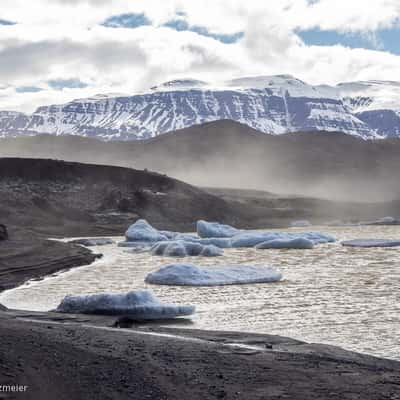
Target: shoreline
{"x":24,"y":259}
{"x":150,"y":362}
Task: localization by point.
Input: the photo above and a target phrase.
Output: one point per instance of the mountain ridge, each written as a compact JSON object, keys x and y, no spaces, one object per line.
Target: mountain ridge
{"x":270,"y":104}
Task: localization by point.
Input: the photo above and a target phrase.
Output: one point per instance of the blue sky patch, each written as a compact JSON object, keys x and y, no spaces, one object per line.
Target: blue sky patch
{"x":181,"y":25}
{"x":60,"y":84}
{"x":28,"y":89}
{"x":6,"y":22}
{"x":127,"y":21}
{"x":385,"y":39}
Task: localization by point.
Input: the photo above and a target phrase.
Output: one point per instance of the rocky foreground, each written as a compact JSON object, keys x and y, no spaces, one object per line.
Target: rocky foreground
{"x":81,"y":357}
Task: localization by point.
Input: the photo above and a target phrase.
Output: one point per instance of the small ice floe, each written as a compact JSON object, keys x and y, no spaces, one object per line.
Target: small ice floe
{"x":215,"y":230}
{"x":181,"y":248}
{"x":341,"y":223}
{"x":371,"y":243}
{"x":88,"y":242}
{"x":138,"y":250}
{"x":136,"y":244}
{"x":303,"y":223}
{"x":141,"y":230}
{"x":383,"y":221}
{"x":295,"y":243}
{"x":140,"y":305}
{"x":251,"y":239}
{"x":192,"y":275}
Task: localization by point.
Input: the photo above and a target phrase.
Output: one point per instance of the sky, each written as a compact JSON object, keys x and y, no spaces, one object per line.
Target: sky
{"x":54,"y":51}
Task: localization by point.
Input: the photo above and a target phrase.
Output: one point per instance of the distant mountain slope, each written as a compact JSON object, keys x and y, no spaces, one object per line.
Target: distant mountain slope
{"x":270,"y":104}
{"x":229,"y":154}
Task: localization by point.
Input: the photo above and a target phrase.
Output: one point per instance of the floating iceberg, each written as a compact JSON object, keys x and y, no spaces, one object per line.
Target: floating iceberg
{"x":88,"y":242}
{"x":383,"y":221}
{"x":141,"y":305}
{"x":371,"y":243}
{"x":215,"y":230}
{"x":169,"y":234}
{"x":251,"y":239}
{"x":303,"y":223}
{"x":191,"y":275}
{"x":135,"y":244}
{"x":181,"y":248}
{"x":188,"y":237}
{"x":295,"y":243}
{"x":141,"y":230}
{"x":223,"y":243}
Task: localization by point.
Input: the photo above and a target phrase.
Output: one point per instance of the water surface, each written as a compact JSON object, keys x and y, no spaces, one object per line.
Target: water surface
{"x":348,"y":297}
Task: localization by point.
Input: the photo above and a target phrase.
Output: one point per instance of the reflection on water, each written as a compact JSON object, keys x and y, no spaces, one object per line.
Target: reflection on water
{"x":331,"y":294}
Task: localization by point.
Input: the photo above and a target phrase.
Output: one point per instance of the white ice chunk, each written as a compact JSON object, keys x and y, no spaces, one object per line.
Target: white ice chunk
{"x":140,"y":304}
{"x":181,"y":248}
{"x":371,"y":243}
{"x":303,"y":223}
{"x":215,"y":230}
{"x":295,"y":243}
{"x":141,"y":230}
{"x":251,"y":239}
{"x":383,"y":221}
{"x":191,"y":275}
{"x":135,"y":244}
{"x":223,"y":243}
{"x":169,"y":234}
{"x":188,"y":237}
{"x":88,"y":242}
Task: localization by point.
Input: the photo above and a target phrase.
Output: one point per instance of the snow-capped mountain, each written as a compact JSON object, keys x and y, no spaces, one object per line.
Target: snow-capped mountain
{"x":270,"y":104}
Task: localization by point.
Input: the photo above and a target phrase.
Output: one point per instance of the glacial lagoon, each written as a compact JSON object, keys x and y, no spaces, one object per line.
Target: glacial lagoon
{"x":329,"y":294}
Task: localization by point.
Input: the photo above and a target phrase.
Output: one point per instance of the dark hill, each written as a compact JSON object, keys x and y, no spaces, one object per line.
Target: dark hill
{"x":56,"y":197}
{"x":228,"y":154}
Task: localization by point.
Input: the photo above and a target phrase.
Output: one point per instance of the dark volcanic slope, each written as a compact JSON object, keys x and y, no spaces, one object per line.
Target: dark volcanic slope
{"x":228,"y":154}
{"x":54,"y":197}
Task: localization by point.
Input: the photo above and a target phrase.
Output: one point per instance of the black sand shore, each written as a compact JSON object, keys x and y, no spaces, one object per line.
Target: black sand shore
{"x":82,"y":357}
{"x":23,"y":258}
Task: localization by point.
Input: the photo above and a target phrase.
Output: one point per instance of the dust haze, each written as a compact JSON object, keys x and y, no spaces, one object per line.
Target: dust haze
{"x":225,"y":154}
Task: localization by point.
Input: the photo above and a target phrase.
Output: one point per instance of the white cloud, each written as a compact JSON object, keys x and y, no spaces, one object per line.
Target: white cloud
{"x":63,"y":39}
